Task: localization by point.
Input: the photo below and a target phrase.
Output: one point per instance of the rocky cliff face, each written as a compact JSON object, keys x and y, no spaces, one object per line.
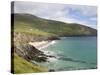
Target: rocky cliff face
{"x":28,"y":52}
{"x":23,"y":49}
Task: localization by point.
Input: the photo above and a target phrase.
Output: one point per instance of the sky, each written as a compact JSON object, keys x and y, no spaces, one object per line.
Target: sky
{"x":81,"y":14}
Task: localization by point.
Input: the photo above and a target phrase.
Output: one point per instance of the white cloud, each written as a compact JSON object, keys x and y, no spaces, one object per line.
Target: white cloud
{"x":85,"y":10}
{"x":93,"y":18}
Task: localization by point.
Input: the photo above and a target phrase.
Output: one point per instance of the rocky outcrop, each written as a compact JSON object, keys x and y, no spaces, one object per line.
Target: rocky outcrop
{"x":27,"y":51}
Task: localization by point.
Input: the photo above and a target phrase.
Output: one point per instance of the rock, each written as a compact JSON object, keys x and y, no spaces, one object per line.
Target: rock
{"x":51,"y":56}
{"x":51,"y":70}
{"x":53,"y":38}
{"x":41,"y":59}
{"x":29,"y":53}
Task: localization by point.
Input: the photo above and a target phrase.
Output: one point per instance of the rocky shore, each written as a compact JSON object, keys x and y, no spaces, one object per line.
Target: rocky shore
{"x":31,"y":51}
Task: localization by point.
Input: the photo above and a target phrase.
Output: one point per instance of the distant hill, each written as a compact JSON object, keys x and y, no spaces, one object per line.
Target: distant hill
{"x":33,"y":24}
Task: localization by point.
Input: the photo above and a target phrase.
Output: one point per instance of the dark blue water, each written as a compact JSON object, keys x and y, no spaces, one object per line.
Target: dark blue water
{"x":73,"y":53}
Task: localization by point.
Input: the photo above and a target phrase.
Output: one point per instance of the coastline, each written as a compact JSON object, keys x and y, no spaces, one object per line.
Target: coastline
{"x":50,"y":55}
{"x":43,"y":44}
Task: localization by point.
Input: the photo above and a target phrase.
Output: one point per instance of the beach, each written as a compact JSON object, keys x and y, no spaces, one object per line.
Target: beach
{"x":42,"y":44}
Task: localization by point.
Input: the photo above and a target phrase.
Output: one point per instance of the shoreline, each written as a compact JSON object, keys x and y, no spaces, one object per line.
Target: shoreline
{"x":42,"y":44}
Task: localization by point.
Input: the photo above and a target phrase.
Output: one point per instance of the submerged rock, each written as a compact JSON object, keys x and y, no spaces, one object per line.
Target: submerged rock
{"x":51,"y":56}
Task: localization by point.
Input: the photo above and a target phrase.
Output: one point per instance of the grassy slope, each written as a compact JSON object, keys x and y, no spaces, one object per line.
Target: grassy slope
{"x":23,"y":66}
{"x":26,"y":28}
{"x":30,"y":23}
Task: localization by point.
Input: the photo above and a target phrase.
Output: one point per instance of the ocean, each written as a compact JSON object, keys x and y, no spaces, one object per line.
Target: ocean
{"x":72,"y":53}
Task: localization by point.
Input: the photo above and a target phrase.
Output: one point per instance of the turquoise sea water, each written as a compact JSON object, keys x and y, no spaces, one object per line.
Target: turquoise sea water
{"x":72,"y":53}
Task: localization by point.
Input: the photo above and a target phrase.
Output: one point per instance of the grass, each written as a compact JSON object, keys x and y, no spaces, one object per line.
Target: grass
{"x":27,"y":28}
{"x":23,"y":66}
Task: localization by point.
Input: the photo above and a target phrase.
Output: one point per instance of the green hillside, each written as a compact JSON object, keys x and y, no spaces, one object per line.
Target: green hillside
{"x":36,"y":25}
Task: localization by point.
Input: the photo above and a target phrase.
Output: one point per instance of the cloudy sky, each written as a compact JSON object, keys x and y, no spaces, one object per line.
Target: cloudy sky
{"x":86,"y":15}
